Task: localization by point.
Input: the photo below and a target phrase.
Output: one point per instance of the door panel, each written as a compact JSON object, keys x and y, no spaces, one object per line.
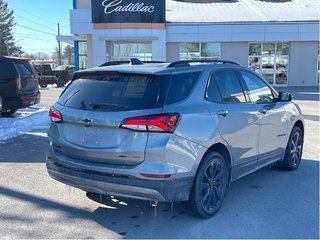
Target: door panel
{"x":236,"y":120}
{"x":273,"y":132}
{"x":273,"y":120}
{"x":240,"y":129}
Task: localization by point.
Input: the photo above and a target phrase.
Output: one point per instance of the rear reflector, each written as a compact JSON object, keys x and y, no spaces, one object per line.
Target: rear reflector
{"x":25,"y":102}
{"x":157,"y":176}
{"x":55,"y":115}
{"x":153,"y":123}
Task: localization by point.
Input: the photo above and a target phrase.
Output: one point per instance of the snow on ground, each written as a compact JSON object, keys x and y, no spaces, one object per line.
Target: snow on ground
{"x":25,"y":120}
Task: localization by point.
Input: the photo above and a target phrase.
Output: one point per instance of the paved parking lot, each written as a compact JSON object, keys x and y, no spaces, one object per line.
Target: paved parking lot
{"x":265,"y":204}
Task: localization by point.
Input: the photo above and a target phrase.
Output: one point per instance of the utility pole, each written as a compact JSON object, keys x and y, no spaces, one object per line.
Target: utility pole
{"x":59,"y":45}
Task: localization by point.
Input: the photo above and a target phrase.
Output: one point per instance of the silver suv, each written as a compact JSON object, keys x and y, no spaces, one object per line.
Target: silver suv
{"x":171,"y":132}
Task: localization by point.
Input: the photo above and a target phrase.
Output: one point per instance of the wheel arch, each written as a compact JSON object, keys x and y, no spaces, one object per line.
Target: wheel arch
{"x":224,"y":152}
{"x":299,"y":124}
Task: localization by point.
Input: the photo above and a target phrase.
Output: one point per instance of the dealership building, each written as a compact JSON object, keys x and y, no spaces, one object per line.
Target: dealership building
{"x":279,"y":39}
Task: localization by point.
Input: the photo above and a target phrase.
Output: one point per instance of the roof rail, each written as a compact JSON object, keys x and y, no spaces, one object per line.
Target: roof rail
{"x":135,"y":61}
{"x":113,"y":63}
{"x":186,"y":63}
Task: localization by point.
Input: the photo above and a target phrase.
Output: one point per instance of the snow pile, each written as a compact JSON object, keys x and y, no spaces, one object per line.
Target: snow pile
{"x":25,"y":120}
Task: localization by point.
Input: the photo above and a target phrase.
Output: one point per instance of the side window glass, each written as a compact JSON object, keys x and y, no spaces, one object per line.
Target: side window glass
{"x":259,"y":91}
{"x":181,"y":86}
{"x":213,"y":92}
{"x":229,"y":86}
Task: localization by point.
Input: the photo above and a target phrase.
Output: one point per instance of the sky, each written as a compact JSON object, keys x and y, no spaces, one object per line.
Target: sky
{"x":42,"y":16}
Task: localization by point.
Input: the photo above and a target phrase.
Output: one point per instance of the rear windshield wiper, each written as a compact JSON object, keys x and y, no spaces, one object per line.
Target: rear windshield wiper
{"x":101,"y":106}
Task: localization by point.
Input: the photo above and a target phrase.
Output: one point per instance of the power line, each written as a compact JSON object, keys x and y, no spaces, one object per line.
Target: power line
{"x":36,"y":30}
{"x":44,"y":19}
{"x":35,"y":22}
{"x":39,"y":39}
{"x":30,"y":35}
{"x":33,"y":37}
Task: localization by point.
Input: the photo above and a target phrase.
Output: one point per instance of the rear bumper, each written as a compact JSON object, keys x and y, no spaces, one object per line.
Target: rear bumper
{"x":124,"y":184}
{"x":21,"y":101}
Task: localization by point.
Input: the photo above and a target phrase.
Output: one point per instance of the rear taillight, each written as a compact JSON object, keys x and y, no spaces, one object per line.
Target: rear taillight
{"x":25,"y":102}
{"x":153,"y":123}
{"x":55,"y":115}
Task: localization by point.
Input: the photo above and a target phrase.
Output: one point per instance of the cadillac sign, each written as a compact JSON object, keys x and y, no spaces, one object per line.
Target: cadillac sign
{"x":126,"y":11}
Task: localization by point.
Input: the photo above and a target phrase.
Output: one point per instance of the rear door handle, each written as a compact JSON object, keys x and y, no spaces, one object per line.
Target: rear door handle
{"x":223,"y":113}
{"x":263,"y":111}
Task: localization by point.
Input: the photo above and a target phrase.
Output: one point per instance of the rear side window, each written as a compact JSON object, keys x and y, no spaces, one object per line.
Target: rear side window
{"x":229,"y":86}
{"x":213,"y":92}
{"x":181,"y":86}
{"x":113,"y":92}
{"x":24,"y":68}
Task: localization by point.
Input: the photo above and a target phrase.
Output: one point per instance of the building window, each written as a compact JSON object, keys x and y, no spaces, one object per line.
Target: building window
{"x":122,"y":51}
{"x":270,"y":60}
{"x":82,"y":51}
{"x":83,"y":55}
{"x":189,"y":51}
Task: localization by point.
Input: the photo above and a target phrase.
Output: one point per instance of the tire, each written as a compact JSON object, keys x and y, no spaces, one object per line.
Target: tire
{"x":294,"y":150}
{"x":209,"y":187}
{"x":60,"y":82}
{"x":8,"y":112}
{"x":43,"y":85}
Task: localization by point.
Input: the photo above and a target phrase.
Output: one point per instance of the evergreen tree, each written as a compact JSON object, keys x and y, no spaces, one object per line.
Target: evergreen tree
{"x":7,"y":43}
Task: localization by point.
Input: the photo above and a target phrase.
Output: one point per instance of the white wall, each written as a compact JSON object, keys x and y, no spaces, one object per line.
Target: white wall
{"x":83,"y":4}
{"x":173,"y":52}
{"x":303,"y":64}
{"x":255,"y":32}
{"x":235,"y":51}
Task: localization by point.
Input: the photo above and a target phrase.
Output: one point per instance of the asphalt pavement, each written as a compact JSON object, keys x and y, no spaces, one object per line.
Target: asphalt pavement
{"x":265,"y":204}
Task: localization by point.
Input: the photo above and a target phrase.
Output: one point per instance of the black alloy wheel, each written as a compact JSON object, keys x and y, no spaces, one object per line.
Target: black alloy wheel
{"x":294,"y":149}
{"x":210,"y":186}
{"x":43,"y":85}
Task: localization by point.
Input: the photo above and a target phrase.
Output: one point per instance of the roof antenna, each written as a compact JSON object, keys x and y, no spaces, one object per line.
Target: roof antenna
{"x":135,"y":61}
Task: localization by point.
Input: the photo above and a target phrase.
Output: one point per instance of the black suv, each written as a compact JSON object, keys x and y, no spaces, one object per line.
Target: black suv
{"x":18,"y":84}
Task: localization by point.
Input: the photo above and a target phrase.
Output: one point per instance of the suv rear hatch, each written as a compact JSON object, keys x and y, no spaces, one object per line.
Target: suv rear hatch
{"x":90,"y":112}
{"x":28,"y":79}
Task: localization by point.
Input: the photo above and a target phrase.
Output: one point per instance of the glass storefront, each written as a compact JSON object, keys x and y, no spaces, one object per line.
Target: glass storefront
{"x":122,"y":51}
{"x":83,"y":55}
{"x":83,"y":51}
{"x":189,"y":51}
{"x":270,"y":60}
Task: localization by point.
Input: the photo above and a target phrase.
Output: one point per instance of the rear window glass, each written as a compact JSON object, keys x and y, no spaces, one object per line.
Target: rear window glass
{"x":113,"y":92}
{"x":181,"y":86}
{"x":24,"y":69}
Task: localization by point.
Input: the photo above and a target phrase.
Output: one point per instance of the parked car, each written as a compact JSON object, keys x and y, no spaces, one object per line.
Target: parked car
{"x":18,"y":84}
{"x":171,"y":132}
{"x":59,"y":75}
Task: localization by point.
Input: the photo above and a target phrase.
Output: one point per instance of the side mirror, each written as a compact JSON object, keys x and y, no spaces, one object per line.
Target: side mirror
{"x":285,"y":97}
